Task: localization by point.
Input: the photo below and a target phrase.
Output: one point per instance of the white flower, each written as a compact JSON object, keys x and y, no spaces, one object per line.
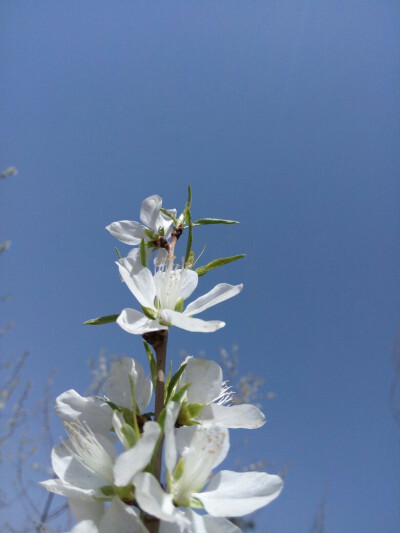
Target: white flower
{"x":118,"y":518}
{"x":161,"y":297}
{"x":190,"y":455}
{"x":70,"y":406}
{"x":131,"y":232}
{"x":87,"y":462}
{"x":208,"y":388}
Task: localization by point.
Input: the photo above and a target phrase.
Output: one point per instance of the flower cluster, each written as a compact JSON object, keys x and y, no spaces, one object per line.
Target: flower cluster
{"x":194,"y":425}
{"x":126,"y":468}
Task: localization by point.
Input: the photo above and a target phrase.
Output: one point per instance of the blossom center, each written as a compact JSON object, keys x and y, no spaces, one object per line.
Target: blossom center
{"x":87,"y":449}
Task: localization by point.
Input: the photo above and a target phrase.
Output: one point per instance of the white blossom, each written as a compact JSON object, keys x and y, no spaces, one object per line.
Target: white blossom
{"x":191,"y":453}
{"x":208,"y":388}
{"x":162,"y":295}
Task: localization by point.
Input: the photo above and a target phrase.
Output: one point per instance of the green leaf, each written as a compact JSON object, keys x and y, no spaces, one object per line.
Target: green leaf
{"x":150,"y":313}
{"x":143,"y":255}
{"x":173,"y":381}
{"x":108,"y":319}
{"x":166,"y":386}
{"x":118,"y":254}
{"x":206,"y":221}
{"x":150,"y":234}
{"x":194,"y":409}
{"x":130,"y":434}
{"x":108,"y":490}
{"x":177,"y":397}
{"x":217,"y":263}
{"x":134,"y":408}
{"x":180,"y":466}
{"x":189,"y":201}
{"x":152,"y":363}
{"x":179,"y":305}
{"x":169,"y":215}
{"x":190,"y":235}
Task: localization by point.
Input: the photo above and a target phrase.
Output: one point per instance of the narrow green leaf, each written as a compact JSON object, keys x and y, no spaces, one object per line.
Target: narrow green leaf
{"x":108,"y":319}
{"x":217,"y":263}
{"x":190,"y":236}
{"x":179,"y":305}
{"x":134,"y":408}
{"x":130,"y":434}
{"x":118,"y":254}
{"x":143,"y":255}
{"x":189,"y":202}
{"x":177,"y":397}
{"x":173,"y":381}
{"x":152,"y":363}
{"x":169,"y":215}
{"x":150,"y":313}
{"x":150,"y":234}
{"x":179,"y":469}
{"x":166,"y":386}
{"x":194,"y":409}
{"x":206,"y":221}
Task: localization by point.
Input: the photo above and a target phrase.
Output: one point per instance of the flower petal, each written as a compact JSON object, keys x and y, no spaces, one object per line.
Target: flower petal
{"x":85,"y":526}
{"x":236,"y":494}
{"x":171,"y":454}
{"x":127,"y":231}
{"x":117,"y":386}
{"x":137,"y":323}
{"x":188,"y":323}
{"x":220,"y":293}
{"x":129,"y":463}
{"x":150,"y":211}
{"x":210,"y":524}
{"x":70,"y":491}
{"x":235,"y":416}
{"x":187,"y":283}
{"x":121,"y":518}
{"x":205,"y":378}
{"x":86,"y":510}
{"x":152,"y":499}
{"x":71,"y":406}
{"x":138,"y":280}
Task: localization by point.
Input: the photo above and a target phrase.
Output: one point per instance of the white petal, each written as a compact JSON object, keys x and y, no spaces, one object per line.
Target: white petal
{"x":70,"y":491}
{"x":237,"y":494}
{"x":171,"y":454}
{"x":220,"y":293}
{"x":139,"y":281}
{"x":150,"y":211}
{"x":167,"y":222}
{"x":152,"y":499}
{"x":85,"y":526}
{"x":129,"y":463}
{"x":120,"y":518}
{"x":161,"y":257}
{"x":169,"y":527}
{"x":86,"y":510}
{"x":210,"y":524}
{"x":188,"y":282}
{"x":235,"y":416}
{"x":117,"y":386}
{"x":205,"y":378}
{"x":71,"y":406}
{"x":135,"y":322}
{"x":127,"y":231}
{"x":118,"y":422}
{"x":190,"y":324}
{"x":72,"y":471}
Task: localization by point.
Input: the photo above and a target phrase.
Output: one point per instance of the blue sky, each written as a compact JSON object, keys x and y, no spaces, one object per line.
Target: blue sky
{"x":283,"y":115}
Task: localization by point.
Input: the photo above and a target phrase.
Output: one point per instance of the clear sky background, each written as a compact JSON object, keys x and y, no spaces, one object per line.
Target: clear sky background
{"x":281,"y":114}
